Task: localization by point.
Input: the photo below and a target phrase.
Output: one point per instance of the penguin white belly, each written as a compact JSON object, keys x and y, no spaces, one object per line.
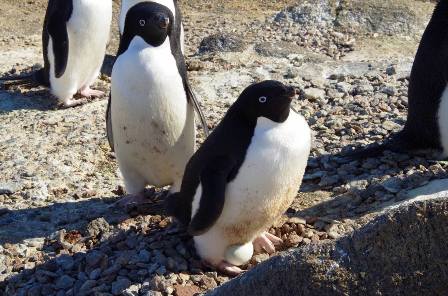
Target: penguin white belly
{"x":152,"y":122}
{"x":443,"y":121}
{"x":88,"y":33}
{"x":265,"y":186}
{"x":128,"y":4}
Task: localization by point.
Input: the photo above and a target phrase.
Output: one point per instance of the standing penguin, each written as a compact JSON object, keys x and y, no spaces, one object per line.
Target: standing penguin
{"x":150,"y":116}
{"x":244,"y":177}
{"x":74,"y":40}
{"x":171,"y":4}
{"x":75,"y":36}
{"x":427,"y":121}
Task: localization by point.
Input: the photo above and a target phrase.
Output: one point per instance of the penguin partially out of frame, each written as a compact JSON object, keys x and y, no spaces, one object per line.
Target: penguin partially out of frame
{"x":426,"y":127}
{"x":74,"y":39}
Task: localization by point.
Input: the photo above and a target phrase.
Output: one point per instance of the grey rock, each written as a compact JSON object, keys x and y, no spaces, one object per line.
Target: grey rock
{"x":94,"y":258}
{"x":87,"y":286}
{"x":313,"y":94}
{"x":66,"y":262}
{"x":120,"y":285}
{"x":221,"y":43}
{"x":99,"y":228}
{"x":308,"y":13}
{"x":64,"y":282}
{"x":95,"y":274}
{"x":385,"y":247}
{"x":8,"y":188}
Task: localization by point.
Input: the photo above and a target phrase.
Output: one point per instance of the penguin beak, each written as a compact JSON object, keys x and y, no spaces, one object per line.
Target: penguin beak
{"x":291,"y":92}
{"x":164,"y":22}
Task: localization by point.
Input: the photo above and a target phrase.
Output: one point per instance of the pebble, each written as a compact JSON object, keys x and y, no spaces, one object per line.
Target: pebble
{"x":64,"y":282}
{"x":120,"y":285}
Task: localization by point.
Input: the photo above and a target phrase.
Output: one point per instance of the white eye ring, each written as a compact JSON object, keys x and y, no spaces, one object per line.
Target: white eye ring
{"x":262,"y":99}
{"x":142,"y":22}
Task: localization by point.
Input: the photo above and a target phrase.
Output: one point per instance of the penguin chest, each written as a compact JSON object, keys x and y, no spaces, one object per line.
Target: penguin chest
{"x":152,"y":122}
{"x":269,"y":178}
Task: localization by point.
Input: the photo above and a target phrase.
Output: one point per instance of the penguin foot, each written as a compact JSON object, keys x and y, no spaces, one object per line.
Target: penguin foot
{"x":133,"y":200}
{"x":69,"y":103}
{"x":88,"y":92}
{"x":225,"y":267}
{"x":267,"y":242}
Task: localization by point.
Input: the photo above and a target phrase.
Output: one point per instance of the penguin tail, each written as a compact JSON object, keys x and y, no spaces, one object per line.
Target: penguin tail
{"x":396,"y":143}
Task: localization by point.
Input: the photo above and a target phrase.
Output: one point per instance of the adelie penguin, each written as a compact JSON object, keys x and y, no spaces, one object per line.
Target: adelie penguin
{"x":151,"y":111}
{"x":426,"y":127}
{"x":75,"y":36}
{"x":244,"y":177}
{"x":171,"y":4}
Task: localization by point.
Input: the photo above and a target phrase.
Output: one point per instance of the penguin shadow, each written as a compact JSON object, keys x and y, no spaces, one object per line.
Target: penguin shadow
{"x":26,"y":98}
{"x":159,"y":247}
{"x":353,"y":196}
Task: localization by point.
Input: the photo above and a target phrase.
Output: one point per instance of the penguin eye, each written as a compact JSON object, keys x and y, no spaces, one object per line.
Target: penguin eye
{"x":142,"y":22}
{"x":262,"y":99}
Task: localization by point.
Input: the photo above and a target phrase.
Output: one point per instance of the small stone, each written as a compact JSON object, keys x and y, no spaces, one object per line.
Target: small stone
{"x":391,"y":70}
{"x":297,"y":220}
{"x":66,"y":262}
{"x":98,"y":228}
{"x":94,"y":258}
{"x":186,"y":290}
{"x":144,"y":256}
{"x":120,"y":285}
{"x":294,"y":240}
{"x":389,"y":90}
{"x":221,"y":42}
{"x":65,"y":282}
{"x":260,"y":257}
{"x":393,"y":185}
{"x":95,"y":274}
{"x":313,"y":94}
{"x":87,"y":286}
{"x":208,"y":282}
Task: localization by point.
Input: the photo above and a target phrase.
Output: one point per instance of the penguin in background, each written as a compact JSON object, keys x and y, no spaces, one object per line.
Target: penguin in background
{"x":74,"y":39}
{"x":244,"y":177}
{"x":151,"y":111}
{"x":426,"y":127}
{"x":171,"y":4}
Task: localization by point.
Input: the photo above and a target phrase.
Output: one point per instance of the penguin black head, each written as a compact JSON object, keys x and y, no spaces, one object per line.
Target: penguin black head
{"x":151,"y":21}
{"x":270,"y":99}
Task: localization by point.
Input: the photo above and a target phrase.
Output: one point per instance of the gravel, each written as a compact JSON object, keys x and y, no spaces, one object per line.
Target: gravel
{"x":60,"y":233}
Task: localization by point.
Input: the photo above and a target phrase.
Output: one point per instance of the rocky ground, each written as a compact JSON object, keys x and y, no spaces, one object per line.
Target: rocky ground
{"x":59,"y":231}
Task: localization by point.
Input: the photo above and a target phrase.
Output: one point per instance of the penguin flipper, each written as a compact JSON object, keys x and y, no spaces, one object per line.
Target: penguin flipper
{"x":214,"y":181}
{"x":57,"y":29}
{"x":192,"y":98}
{"x":110,"y":136}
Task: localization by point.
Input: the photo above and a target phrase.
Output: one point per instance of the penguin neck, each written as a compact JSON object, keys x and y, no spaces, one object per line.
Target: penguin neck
{"x":137,"y":43}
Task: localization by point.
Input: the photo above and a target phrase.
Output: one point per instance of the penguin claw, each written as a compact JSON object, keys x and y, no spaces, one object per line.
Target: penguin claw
{"x":88,"y":92}
{"x":267,"y":242}
{"x":225,"y":268}
{"x":69,"y":103}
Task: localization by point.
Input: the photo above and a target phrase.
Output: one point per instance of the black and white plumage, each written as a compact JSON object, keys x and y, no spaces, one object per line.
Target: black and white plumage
{"x":150,"y":116}
{"x":244,"y":176}
{"x":75,"y":37}
{"x":427,"y":121}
